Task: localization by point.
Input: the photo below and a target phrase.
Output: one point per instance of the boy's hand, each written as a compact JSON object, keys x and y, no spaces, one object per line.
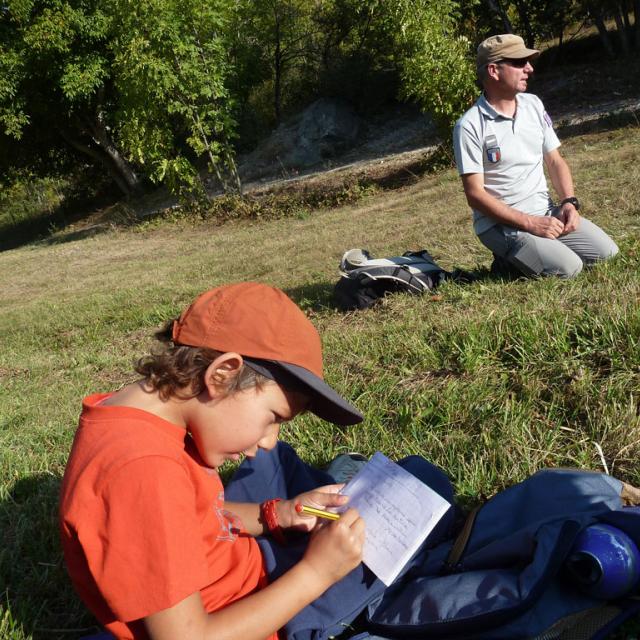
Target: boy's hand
{"x":320,"y":498}
{"x":336,"y":549}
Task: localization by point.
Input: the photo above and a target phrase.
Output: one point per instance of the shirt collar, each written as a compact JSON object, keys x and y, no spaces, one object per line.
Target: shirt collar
{"x":489,"y":112}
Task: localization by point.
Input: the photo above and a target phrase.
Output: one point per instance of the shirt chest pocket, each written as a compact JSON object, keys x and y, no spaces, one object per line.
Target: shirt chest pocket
{"x":512,"y":148}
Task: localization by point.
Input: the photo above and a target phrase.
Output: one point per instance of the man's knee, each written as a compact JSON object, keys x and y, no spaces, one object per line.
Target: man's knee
{"x":607,"y":251}
{"x":600,"y":253}
{"x":591,"y":243}
{"x":567,"y":268}
{"x":534,"y":261}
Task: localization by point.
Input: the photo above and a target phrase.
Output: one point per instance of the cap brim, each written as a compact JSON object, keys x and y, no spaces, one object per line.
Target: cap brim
{"x":526,"y":53}
{"x":324,"y":401}
{"x":518,"y":54}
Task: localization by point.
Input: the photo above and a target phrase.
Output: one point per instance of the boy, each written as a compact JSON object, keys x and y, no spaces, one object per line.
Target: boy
{"x":150,"y":544}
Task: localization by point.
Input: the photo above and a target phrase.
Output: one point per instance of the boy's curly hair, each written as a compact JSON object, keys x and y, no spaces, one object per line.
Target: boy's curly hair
{"x":178,"y":370}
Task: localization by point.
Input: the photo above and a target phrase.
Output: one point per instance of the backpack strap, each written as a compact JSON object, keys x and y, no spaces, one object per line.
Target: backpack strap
{"x":422,"y":254}
{"x":417,"y":284}
{"x":452,"y":562}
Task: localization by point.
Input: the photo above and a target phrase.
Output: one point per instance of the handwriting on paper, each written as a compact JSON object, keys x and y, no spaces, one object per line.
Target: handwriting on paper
{"x":399,"y":512}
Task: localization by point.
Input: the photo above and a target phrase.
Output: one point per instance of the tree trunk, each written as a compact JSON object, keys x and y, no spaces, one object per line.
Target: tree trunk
{"x":602,"y":31}
{"x":121,"y":167}
{"x":561,"y":35}
{"x":229,"y":165}
{"x":277,"y":88}
{"x":624,"y":8}
{"x":496,"y":8}
{"x":622,"y":31}
{"x":120,"y":171}
{"x":523,"y":14}
{"x":277,"y":70}
{"x":559,"y":30}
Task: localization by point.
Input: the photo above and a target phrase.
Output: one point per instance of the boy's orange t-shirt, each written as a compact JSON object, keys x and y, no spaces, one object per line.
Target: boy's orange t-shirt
{"x":143,"y":523}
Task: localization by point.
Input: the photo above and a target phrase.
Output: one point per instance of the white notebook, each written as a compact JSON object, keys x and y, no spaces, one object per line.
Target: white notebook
{"x":399,"y":512}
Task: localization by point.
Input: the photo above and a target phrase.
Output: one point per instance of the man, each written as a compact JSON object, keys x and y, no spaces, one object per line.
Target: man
{"x":500,"y":145}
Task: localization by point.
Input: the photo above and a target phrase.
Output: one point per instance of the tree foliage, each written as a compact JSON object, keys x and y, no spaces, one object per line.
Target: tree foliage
{"x":152,"y":89}
{"x":170,"y":69}
{"x":56,"y":78}
{"x":435,"y":58}
{"x":136,"y":86}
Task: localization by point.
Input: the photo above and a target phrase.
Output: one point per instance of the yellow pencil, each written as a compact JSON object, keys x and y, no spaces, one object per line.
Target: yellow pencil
{"x":312,"y":511}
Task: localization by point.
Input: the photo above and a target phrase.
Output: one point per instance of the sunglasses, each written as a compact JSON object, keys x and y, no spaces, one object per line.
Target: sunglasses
{"x":519,"y":63}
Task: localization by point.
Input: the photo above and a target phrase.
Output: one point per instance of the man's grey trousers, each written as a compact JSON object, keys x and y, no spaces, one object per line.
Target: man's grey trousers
{"x":563,"y":257}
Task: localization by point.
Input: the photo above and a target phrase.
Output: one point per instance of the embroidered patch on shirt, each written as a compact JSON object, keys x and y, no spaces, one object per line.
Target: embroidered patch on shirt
{"x":493,"y":150}
{"x":547,"y":119}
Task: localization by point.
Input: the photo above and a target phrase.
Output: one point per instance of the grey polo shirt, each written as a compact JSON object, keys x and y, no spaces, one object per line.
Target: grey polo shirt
{"x":509,"y":152}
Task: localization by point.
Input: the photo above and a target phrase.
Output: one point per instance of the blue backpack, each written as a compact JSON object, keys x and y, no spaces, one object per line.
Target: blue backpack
{"x":504,"y":575}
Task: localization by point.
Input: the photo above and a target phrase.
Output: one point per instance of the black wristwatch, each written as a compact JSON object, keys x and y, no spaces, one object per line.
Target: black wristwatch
{"x":572,"y":200}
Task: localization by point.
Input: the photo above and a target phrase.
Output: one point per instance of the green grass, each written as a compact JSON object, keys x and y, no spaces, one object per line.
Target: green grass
{"x":491,"y":381}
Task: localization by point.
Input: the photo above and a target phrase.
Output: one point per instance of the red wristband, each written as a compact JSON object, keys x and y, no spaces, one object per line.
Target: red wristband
{"x":269,"y":517}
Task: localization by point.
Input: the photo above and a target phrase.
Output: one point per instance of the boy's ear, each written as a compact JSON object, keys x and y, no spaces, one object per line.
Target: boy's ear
{"x":222,"y":371}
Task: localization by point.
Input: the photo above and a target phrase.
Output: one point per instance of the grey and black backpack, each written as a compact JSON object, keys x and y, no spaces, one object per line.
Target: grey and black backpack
{"x":364,"y":279}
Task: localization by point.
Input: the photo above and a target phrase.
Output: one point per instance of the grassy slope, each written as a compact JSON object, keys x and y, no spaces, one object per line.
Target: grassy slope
{"x":491,"y":380}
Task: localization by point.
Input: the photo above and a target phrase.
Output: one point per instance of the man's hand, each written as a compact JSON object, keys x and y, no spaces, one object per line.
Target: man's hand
{"x":563,"y":184}
{"x":544,"y":226}
{"x":570,"y":217}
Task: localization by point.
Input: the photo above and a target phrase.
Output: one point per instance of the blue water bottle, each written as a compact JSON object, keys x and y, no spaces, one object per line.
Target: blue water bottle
{"x":604,"y":562}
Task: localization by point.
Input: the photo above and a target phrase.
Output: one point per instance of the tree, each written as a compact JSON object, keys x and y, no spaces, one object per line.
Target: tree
{"x":599,"y":11}
{"x":622,"y":19}
{"x":436,"y":62}
{"x":137,"y":87}
{"x":496,"y":7}
{"x":55,"y":76}
{"x":285,"y":33}
{"x":170,"y":69}
{"x":535,"y":20}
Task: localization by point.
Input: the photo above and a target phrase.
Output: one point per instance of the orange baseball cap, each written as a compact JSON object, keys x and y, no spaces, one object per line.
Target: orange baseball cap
{"x":266,"y":327}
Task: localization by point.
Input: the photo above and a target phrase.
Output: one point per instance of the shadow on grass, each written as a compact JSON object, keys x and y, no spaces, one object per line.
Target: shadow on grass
{"x":44,"y":226}
{"x":72,"y":236}
{"x":313,"y":297}
{"x":34,"y":583}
